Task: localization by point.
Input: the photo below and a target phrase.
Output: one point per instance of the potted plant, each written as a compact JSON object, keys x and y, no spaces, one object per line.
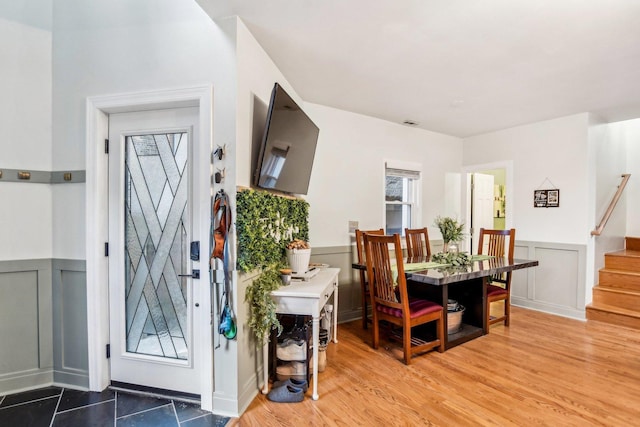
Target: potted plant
{"x":451,"y":230}
{"x":298,"y":256}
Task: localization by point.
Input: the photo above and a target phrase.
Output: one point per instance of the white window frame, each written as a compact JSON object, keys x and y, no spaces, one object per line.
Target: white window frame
{"x":412,"y":171}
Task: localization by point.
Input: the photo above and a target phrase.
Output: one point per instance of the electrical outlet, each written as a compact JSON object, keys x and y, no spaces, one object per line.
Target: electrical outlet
{"x":353,"y":226}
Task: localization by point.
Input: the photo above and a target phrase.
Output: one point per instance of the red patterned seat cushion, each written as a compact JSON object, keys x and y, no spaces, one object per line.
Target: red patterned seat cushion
{"x":493,"y":290}
{"x":417,"y":307}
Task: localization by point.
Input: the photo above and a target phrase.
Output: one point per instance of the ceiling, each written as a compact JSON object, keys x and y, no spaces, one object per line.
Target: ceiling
{"x":459,"y":67}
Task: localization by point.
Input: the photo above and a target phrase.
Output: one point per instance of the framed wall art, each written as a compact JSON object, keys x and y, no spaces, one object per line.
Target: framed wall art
{"x":546,"y":198}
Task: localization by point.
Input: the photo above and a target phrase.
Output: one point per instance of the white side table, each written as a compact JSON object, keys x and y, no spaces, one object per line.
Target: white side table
{"x":307,"y":298}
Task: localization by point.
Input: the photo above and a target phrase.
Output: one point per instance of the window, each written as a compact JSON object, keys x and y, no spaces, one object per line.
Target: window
{"x":401,"y":198}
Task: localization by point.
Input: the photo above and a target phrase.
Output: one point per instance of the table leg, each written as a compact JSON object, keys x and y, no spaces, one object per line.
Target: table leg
{"x":316,"y":344}
{"x":265,"y":364}
{"x":335,"y":314}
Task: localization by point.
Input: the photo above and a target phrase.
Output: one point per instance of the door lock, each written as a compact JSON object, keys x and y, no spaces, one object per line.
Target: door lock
{"x":195,"y":274}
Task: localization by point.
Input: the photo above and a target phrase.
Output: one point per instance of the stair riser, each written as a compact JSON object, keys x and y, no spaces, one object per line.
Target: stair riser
{"x":622,"y":263}
{"x":613,"y":318}
{"x":626,"y":300}
{"x":632,"y":243}
{"x":619,"y":280}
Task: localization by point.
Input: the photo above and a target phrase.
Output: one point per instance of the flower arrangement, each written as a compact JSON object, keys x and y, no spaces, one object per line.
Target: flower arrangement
{"x":453,"y":259}
{"x":452,"y":230}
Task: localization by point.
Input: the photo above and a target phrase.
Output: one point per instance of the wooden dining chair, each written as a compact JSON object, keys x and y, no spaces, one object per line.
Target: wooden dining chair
{"x":392,"y":304}
{"x":364,"y":285}
{"x":417,"y":242}
{"x":494,"y":243}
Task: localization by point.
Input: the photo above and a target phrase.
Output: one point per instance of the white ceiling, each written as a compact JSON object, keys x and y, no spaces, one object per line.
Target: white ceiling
{"x":460,"y":67}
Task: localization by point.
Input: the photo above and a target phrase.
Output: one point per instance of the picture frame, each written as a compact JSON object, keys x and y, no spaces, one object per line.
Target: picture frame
{"x":549,"y":198}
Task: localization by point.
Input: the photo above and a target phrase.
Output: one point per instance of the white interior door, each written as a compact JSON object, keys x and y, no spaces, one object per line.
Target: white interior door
{"x":481,"y":206}
{"x":151,"y":224}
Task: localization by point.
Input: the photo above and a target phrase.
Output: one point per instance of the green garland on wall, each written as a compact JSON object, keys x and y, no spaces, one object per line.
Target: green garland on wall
{"x":265,"y":224}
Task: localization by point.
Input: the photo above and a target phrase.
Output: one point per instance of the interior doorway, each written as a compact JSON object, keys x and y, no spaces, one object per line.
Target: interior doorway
{"x":487,"y":198}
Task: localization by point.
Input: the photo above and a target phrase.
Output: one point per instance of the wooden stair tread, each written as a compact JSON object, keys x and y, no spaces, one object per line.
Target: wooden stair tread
{"x":616,"y":290}
{"x":630,"y":253}
{"x":619,"y":271}
{"x":613,"y":309}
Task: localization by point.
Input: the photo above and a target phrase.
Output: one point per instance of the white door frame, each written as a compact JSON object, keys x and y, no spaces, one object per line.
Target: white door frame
{"x":97,"y":110}
{"x":466,"y":191}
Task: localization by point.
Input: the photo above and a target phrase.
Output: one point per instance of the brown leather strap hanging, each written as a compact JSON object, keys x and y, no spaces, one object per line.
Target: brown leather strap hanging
{"x":222,"y":221}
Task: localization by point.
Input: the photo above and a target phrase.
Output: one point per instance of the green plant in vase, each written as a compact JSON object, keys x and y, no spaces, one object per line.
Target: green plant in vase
{"x":451,"y":230}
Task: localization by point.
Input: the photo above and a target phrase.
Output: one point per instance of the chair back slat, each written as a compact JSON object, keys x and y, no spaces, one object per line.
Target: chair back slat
{"x":380,"y":272}
{"x":496,"y":245}
{"x":417,"y":242}
{"x":360,"y":249}
{"x":360,"y":242}
{"x":495,"y":242}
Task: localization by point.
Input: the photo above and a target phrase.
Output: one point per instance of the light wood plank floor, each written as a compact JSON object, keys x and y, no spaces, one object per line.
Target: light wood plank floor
{"x":542,"y":370}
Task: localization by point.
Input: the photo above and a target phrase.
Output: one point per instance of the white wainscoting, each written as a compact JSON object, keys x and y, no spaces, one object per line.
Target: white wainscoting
{"x":26,"y":347}
{"x":557,"y":285}
{"x":43,"y":335}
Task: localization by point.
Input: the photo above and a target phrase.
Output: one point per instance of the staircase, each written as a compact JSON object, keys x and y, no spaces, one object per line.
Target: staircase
{"x":616,"y":298}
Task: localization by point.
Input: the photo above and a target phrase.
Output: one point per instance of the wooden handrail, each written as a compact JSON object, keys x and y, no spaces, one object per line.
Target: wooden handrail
{"x":612,"y":205}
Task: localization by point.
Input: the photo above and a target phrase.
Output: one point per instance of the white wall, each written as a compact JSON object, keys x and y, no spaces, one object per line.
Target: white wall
{"x":347,"y":181}
{"x":111,"y":47}
{"x":25,"y":120}
{"x":555,"y":150}
{"x":631,"y":133}
{"x":256,"y":76}
{"x":608,"y":148}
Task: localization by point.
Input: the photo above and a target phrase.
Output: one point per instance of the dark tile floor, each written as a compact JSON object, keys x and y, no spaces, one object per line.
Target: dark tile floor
{"x":60,"y":407}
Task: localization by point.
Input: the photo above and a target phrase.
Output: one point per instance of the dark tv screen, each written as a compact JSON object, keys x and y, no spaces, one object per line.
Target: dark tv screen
{"x":288,"y":146}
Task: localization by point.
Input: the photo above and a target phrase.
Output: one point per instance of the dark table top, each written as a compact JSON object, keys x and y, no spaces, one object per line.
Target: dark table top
{"x":447,"y":274}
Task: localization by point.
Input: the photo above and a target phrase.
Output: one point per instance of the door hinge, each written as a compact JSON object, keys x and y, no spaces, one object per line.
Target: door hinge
{"x":108,"y":351}
{"x":106,"y":248}
{"x":106,"y":146}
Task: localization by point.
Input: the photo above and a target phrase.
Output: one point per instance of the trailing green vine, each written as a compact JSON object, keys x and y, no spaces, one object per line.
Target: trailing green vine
{"x":262,"y":308}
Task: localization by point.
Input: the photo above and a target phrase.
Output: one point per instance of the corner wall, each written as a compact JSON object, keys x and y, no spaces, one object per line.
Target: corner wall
{"x":26,"y":331}
{"x":629,"y":131}
{"x":559,"y":151}
{"x":256,"y":76}
{"x":25,"y":120}
{"x":608,"y":158}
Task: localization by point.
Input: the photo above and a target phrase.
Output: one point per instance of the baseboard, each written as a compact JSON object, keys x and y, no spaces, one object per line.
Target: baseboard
{"x":549,"y":308}
{"x":23,"y":381}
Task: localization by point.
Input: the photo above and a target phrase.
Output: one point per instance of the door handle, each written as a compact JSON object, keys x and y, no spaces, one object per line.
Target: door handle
{"x":195,"y":274}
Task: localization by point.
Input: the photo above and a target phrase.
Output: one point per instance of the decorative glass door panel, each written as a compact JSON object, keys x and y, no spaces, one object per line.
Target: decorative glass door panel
{"x":156,"y":244}
{"x":151,"y":225}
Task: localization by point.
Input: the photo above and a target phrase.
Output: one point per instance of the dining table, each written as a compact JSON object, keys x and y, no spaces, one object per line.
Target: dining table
{"x":466,"y":285}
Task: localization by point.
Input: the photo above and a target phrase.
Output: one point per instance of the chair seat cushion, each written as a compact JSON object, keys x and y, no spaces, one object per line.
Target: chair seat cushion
{"x":493,"y":290}
{"x":417,"y":307}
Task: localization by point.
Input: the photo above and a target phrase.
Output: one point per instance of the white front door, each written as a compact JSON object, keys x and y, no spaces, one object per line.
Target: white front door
{"x":481,"y":206}
{"x":151,"y":224}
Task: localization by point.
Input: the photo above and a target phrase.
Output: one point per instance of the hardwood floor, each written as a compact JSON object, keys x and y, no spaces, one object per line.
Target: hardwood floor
{"x":542,"y":370}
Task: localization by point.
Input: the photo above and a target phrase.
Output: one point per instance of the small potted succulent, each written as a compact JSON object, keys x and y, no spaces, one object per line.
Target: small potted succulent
{"x":298,"y":256}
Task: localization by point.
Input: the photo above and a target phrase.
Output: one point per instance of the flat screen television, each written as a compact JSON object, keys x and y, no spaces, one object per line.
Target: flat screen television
{"x":288,"y":146}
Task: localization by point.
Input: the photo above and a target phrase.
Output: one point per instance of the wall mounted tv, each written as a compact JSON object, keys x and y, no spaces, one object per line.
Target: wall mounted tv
{"x":288,"y":146}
